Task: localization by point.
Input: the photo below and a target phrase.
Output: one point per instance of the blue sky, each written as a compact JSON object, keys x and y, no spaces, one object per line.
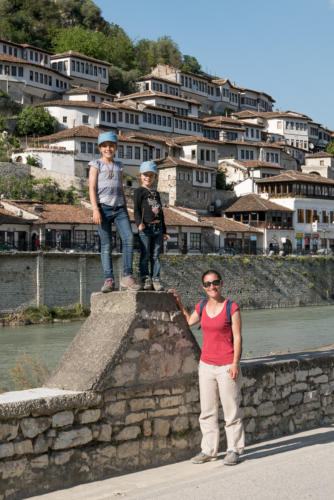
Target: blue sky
{"x":284,"y":48}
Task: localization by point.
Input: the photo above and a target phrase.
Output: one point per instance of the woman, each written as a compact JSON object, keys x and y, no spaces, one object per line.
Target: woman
{"x":219,"y":371}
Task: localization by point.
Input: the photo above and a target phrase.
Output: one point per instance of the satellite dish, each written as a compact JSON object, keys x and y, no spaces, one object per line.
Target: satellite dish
{"x":311,"y":145}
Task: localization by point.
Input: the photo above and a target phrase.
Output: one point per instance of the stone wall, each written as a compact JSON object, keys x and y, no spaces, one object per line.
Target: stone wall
{"x":59,"y":279}
{"x":134,"y":401}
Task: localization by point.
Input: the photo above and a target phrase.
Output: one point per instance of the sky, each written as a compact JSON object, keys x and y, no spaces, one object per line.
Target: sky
{"x":284,"y":48}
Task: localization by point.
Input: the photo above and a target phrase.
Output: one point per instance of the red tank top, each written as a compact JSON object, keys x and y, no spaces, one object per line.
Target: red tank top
{"x":217,"y":346}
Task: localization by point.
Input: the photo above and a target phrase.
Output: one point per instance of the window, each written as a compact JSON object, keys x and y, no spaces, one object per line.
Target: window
{"x":114,"y":117}
{"x":158,"y":153}
{"x":83,"y":147}
{"x":45,"y":79}
{"x":137,"y":153}
{"x":36,"y":77}
{"x":64,"y":119}
{"x":129,"y":152}
{"x":127,"y":118}
{"x":85,"y":119}
{"x":193,"y":154}
{"x":213,"y":156}
{"x":103,"y":116}
{"x":41,"y":79}
{"x":136,"y":119}
{"x":13,"y":70}
{"x":20,"y":71}
{"x":207,"y":155}
{"x":308,"y":218}
{"x":145,"y":155}
{"x":300,"y":218}
{"x":202,"y":154}
{"x":73,"y":65}
{"x":120,"y":151}
{"x":108,"y":116}
{"x":169,"y":122}
{"x":120,"y":116}
{"x":90,"y":147}
{"x":195,"y":241}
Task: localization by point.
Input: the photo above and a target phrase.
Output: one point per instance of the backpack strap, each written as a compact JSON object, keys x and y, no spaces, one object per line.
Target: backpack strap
{"x":228,"y":310}
{"x":201,"y":307}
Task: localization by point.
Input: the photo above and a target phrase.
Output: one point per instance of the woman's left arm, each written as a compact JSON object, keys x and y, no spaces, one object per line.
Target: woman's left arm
{"x":237,"y":344}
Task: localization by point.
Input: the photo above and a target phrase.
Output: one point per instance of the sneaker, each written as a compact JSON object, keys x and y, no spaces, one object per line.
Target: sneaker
{"x":231,"y":458}
{"x":129,"y":283}
{"x":157,"y":285}
{"x":108,"y":286}
{"x":147,"y":283}
{"x":202,"y":458}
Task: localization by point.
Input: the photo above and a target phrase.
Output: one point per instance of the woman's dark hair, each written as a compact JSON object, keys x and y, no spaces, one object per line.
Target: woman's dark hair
{"x":211,"y":271}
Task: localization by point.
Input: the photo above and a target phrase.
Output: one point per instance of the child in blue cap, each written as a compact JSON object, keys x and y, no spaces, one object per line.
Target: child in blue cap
{"x":149,"y":218}
{"x":109,"y":205}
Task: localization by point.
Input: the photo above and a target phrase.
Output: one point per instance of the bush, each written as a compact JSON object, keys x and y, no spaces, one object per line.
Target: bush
{"x":35,"y":121}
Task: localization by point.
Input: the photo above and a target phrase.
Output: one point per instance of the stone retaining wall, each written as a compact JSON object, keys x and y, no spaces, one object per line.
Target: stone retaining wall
{"x":125,"y":396}
{"x":59,"y":279}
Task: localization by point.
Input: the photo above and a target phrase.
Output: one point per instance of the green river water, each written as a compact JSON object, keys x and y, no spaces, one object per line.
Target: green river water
{"x":264,"y":331}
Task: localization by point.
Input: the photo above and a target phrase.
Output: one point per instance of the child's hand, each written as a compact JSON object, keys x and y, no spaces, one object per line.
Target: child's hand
{"x":141,"y":227}
{"x":166,"y":237}
{"x":97,"y":219}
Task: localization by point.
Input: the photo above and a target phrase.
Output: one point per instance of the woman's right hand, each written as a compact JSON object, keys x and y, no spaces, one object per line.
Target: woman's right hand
{"x":97,"y":219}
{"x":141,"y":227}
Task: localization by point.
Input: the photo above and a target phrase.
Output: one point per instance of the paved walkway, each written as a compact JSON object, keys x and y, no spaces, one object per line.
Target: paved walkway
{"x":299,"y":466}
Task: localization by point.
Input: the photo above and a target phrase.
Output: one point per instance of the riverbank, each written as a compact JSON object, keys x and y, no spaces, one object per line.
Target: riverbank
{"x":254,"y":282}
{"x":44,"y":315}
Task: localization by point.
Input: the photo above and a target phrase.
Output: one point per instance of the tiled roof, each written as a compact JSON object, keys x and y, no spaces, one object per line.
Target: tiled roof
{"x":81,"y":131}
{"x":274,"y":145}
{"x":226,"y":224}
{"x":8,"y":218}
{"x":172,"y":161}
{"x":321,"y":154}
{"x":254,"y":203}
{"x":159,"y":78}
{"x":70,"y":53}
{"x":152,"y":137}
{"x":173,"y":218}
{"x":55,"y":213}
{"x":224,"y":119}
{"x":190,"y":139}
{"x":17,"y":60}
{"x":256,"y":163}
{"x":25,"y":46}
{"x":86,"y":90}
{"x":271,"y":114}
{"x":89,"y":104}
{"x":294,"y":176}
{"x":150,"y":93}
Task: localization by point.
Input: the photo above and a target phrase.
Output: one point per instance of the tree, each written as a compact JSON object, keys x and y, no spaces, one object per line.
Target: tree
{"x":221,"y":181}
{"x":121,"y":49}
{"x":90,"y":43}
{"x":35,"y":120}
{"x":330,"y":148}
{"x":167,"y":51}
{"x":122,"y":81}
{"x":191,"y":64}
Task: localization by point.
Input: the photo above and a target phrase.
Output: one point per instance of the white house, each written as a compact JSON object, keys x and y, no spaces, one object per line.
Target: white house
{"x":311,"y":197}
{"x":84,"y":70}
{"x":87,"y":94}
{"x":320,"y":163}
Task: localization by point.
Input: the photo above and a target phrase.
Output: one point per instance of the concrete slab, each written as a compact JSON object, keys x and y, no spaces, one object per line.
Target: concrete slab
{"x":293,"y":467}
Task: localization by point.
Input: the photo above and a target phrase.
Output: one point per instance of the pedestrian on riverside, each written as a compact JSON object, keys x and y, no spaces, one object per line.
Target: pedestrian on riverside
{"x":149,"y":218}
{"x":219,"y":369}
{"x":109,"y":206}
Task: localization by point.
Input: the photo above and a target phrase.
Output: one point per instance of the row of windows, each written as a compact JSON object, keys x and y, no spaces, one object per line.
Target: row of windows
{"x":211,"y":134}
{"x":164,"y":121}
{"x":111,"y":117}
{"x":186,"y":125}
{"x":33,"y":55}
{"x":246,"y":154}
{"x":250,"y":132}
{"x":202,"y":176}
{"x":272,"y":157}
{"x":297,"y":143}
{"x":179,"y":111}
{"x":89,"y":147}
{"x":11,"y":70}
{"x":80,"y":67}
{"x":205,"y":155}
{"x":298,"y":126}
{"x":249,"y":101}
{"x":134,"y":152}
{"x":231,"y":136}
{"x":46,"y":79}
{"x":309,"y":216}
{"x":191,"y":83}
{"x":183,"y":176}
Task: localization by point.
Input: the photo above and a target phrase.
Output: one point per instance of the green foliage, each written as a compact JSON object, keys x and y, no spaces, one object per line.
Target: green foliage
{"x":164,"y":50}
{"x":3,"y":123}
{"x":36,"y":189}
{"x":330,"y":148}
{"x":122,"y":81}
{"x":24,"y":21}
{"x":191,"y":64}
{"x":32,"y":161}
{"x":79,"y":39}
{"x":221,"y":181}
{"x":35,"y":120}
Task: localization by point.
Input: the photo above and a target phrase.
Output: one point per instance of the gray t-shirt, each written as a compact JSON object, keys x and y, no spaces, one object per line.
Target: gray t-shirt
{"x":109,"y":185}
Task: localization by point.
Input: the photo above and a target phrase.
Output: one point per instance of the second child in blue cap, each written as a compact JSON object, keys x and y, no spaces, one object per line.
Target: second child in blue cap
{"x":109,"y":206}
{"x":149,"y":218}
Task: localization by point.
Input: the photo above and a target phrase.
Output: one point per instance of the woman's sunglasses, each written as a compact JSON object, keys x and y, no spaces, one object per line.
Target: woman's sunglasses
{"x":207,"y":284}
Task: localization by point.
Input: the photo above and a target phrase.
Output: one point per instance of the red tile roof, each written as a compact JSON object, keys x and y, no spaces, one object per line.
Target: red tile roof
{"x":172,"y":161}
{"x":71,"y":53}
{"x":172,"y":218}
{"x":320,"y":154}
{"x":151,"y":93}
{"x":226,"y":224}
{"x":294,"y":176}
{"x":254,"y":203}
{"x":86,"y":90}
{"x":55,"y":213}
{"x":8,"y":218}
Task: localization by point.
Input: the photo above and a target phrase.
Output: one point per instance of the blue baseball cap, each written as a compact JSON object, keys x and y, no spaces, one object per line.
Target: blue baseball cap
{"x":107,"y":137}
{"x":148,"y":166}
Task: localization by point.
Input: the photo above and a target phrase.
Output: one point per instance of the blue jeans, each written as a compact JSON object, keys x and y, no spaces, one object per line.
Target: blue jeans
{"x":121,"y":220}
{"x":150,"y":241}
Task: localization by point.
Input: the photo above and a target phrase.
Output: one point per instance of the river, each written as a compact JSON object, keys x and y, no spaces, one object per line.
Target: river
{"x":264,"y":331}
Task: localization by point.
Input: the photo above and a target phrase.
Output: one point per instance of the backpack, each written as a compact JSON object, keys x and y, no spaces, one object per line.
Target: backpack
{"x":228,"y":310}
